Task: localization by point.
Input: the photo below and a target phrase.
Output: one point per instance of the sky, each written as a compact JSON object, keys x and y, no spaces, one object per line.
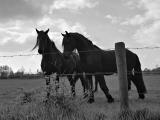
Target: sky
{"x":105,"y":22}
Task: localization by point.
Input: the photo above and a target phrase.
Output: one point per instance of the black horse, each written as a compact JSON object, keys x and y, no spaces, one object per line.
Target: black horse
{"x":94,"y":59}
{"x":53,"y":61}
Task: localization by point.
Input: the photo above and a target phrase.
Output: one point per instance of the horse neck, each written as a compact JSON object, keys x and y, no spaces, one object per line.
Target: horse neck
{"x":83,"y":45}
{"x":54,"y":56}
{"x":52,"y":50}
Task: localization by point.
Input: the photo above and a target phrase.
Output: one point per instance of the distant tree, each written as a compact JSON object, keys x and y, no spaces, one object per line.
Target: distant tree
{"x":5,"y":71}
{"x":39,"y":72}
{"x":157,"y":69}
{"x":147,"y":70}
{"x":20,"y":72}
{"x":157,"y":66}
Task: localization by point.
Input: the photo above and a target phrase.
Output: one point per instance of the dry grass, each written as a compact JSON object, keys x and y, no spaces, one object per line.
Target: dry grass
{"x":32,"y":106}
{"x":24,"y":100}
{"x":143,"y":114}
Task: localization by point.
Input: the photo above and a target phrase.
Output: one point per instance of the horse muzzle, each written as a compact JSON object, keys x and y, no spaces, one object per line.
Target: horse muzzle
{"x":66,"y":54}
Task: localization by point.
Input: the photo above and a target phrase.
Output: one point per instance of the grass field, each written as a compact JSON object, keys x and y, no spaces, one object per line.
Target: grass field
{"x":10,"y":90}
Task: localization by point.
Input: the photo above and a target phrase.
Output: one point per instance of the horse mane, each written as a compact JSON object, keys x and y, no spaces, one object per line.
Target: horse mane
{"x":82,"y":37}
{"x":54,"y":46}
{"x":97,"y":47}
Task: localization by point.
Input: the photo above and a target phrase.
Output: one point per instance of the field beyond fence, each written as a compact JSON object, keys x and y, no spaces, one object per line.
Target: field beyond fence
{"x":13,"y":92}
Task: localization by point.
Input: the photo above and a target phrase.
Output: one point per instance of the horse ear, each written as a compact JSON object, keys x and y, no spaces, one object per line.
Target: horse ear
{"x":37,"y":31}
{"x":62,"y":34}
{"x":47,"y":31}
{"x":67,"y":33}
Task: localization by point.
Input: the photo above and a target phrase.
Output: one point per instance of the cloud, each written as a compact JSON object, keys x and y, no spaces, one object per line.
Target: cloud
{"x":58,"y":26}
{"x":147,"y":23}
{"x":21,"y":9}
{"x":136,"y":20}
{"x":113,"y":19}
{"x":131,"y":4}
{"x":15,"y":32}
{"x":151,"y":12}
{"x":148,"y":35}
{"x":73,"y":4}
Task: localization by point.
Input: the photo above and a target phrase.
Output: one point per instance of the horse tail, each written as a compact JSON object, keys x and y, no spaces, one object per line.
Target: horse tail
{"x":138,"y":77}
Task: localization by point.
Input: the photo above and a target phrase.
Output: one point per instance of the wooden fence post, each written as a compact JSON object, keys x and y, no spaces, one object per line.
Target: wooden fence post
{"x":120,"y":53}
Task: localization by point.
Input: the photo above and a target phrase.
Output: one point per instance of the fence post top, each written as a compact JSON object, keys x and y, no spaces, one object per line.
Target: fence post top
{"x":119,"y":43}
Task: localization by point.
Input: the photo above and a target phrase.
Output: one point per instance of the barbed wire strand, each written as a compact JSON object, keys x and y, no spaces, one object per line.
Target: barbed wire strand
{"x":96,"y":73}
{"x":148,"y":92}
{"x":23,"y":55}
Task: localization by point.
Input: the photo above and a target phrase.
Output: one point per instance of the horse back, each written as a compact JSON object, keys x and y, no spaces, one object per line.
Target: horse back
{"x":109,"y":61}
{"x":131,"y":59}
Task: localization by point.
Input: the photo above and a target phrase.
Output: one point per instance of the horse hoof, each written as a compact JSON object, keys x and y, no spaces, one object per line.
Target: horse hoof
{"x":85,"y":96}
{"x":95,"y":91}
{"x":90,"y":101}
{"x":110,"y":99}
{"x":46,"y":101}
{"x":141,"y":96}
{"x":129,"y":88}
{"x":74,"y":95}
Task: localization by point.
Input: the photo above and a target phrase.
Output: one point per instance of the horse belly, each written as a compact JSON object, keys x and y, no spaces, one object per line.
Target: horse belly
{"x":48,"y":68}
{"x":93,"y":64}
{"x":110,"y":67}
{"x":109,"y":63}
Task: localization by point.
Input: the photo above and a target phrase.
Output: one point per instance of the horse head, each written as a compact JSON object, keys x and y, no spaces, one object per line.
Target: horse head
{"x":42,"y":41}
{"x":68,"y":43}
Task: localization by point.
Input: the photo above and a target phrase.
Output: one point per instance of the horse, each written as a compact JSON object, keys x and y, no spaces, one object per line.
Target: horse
{"x":94,"y":60}
{"x":53,"y":61}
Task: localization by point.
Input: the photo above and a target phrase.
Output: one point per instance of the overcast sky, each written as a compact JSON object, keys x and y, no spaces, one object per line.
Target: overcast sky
{"x":136,"y":22}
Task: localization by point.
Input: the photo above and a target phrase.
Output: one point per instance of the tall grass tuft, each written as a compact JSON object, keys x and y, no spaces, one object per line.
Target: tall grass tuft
{"x":32,"y":105}
{"x":144,"y":114}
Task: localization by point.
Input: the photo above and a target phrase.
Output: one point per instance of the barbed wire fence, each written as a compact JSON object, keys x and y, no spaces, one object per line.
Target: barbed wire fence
{"x":133,"y":48}
{"x":97,"y":73}
{"x":93,"y":51}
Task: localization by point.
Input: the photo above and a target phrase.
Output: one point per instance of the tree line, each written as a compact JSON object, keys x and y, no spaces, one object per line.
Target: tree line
{"x":154,"y":71}
{"x":7,"y":72}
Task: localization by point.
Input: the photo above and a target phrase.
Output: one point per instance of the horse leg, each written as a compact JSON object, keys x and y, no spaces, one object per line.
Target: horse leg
{"x":84,"y":85}
{"x":96,"y":85}
{"x":139,"y":83}
{"x":72,"y":84}
{"x":129,"y":77}
{"x":91,"y":93}
{"x":138,"y":79}
{"x":104,"y":87}
{"x":57,"y":83}
{"x":48,"y":86}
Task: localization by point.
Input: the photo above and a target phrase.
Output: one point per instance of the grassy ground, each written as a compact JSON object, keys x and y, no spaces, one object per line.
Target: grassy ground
{"x":11,"y":92}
